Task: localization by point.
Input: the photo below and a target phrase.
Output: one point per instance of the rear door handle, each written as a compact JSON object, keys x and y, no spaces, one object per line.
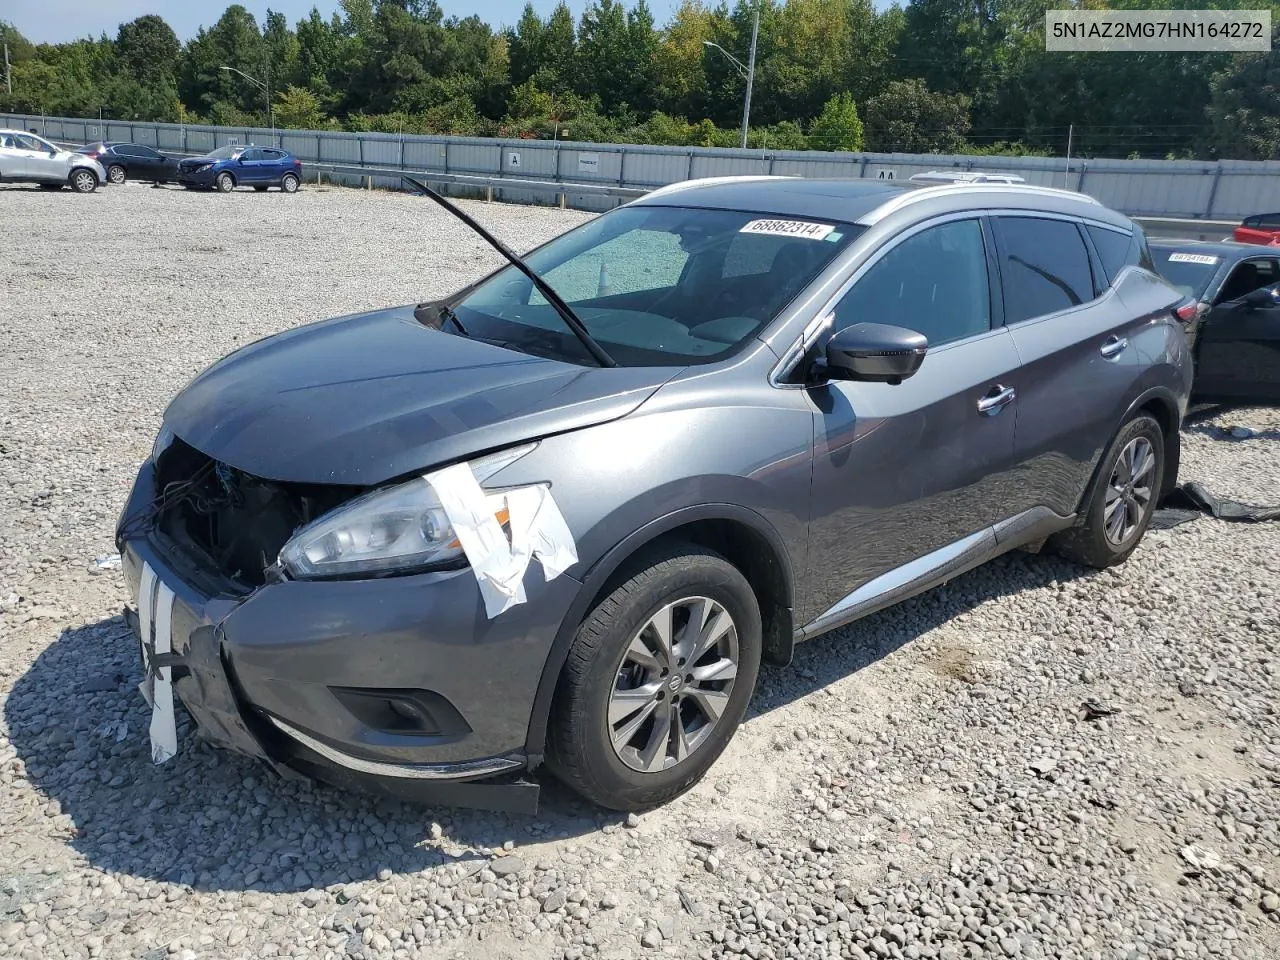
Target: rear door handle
{"x":995,"y":400}
{"x":1113,"y":347}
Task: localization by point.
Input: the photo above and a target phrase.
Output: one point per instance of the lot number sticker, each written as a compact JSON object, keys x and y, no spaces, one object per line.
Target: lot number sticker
{"x":1193,"y":258}
{"x":789,"y":228}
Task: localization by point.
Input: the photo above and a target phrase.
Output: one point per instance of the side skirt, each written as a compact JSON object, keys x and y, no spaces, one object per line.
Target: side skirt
{"x":934,"y":569}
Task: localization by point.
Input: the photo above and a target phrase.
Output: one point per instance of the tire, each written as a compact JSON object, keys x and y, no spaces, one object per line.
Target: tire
{"x":225,"y":182}
{"x":595,"y":755}
{"x":1117,"y":513}
{"x":260,"y":189}
{"x":116,"y":174}
{"x":83,"y":180}
{"x":289,"y":183}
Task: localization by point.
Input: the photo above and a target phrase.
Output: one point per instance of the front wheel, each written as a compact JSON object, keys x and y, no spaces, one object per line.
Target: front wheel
{"x":226,"y":183}
{"x":115,"y":173}
{"x":1124,"y":497}
{"x":84,"y":181}
{"x":289,"y":183}
{"x":657,"y":680}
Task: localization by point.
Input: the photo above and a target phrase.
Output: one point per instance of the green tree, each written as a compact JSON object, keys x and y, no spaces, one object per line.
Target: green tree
{"x":1244,"y":107}
{"x":298,"y":108}
{"x":525,"y":45}
{"x":234,"y":41}
{"x":838,"y":126}
{"x":908,"y":117}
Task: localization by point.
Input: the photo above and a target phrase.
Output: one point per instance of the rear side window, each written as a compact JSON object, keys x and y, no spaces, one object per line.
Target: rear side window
{"x":1117,"y":250}
{"x":1044,"y":267}
{"x":273,"y":155}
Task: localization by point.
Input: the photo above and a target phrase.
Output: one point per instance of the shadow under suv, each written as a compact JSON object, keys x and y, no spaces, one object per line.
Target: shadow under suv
{"x":564,"y":514}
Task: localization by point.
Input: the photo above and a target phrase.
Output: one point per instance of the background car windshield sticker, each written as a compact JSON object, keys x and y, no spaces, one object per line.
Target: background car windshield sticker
{"x":1192,"y":258}
{"x":789,"y":228}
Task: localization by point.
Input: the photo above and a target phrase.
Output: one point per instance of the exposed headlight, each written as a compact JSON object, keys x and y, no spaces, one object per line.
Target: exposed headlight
{"x":163,"y":439}
{"x":398,"y":528}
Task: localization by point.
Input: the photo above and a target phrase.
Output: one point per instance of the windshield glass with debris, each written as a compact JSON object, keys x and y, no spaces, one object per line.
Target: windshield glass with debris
{"x":656,"y":285}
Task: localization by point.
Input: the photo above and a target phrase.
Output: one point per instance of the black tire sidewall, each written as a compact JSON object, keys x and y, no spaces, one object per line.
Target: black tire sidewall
{"x":289,"y":178}
{"x":124,"y":175}
{"x":75,"y":180}
{"x":597,"y":771}
{"x":222,"y":178}
{"x":1146,"y":426}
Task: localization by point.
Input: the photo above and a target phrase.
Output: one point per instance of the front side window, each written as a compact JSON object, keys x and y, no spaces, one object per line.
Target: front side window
{"x":24,"y":141}
{"x":934,"y":282}
{"x":1044,"y":267}
{"x":657,"y":285}
{"x":253,"y":153}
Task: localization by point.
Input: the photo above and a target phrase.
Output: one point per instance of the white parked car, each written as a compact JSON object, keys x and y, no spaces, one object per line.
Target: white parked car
{"x":27,"y":158}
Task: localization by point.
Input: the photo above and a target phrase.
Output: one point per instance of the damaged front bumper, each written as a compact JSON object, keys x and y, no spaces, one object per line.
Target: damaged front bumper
{"x":399,"y":686}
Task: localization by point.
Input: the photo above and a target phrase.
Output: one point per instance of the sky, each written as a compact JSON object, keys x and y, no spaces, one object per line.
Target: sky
{"x":55,"y":21}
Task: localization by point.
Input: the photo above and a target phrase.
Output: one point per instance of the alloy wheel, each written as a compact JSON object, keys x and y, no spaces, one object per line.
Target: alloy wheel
{"x":289,"y":184}
{"x":1129,"y":491}
{"x":116,"y":174}
{"x":84,"y":181}
{"x":673,"y":684}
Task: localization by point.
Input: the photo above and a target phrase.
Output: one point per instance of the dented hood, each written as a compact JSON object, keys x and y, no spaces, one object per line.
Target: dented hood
{"x":364,"y":399}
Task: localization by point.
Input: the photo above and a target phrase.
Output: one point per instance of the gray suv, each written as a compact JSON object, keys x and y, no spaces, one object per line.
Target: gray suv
{"x":563,"y":515}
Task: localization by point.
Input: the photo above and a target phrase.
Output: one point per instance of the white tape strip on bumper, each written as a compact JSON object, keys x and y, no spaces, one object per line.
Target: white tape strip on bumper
{"x":538,"y":529}
{"x":155,"y":609}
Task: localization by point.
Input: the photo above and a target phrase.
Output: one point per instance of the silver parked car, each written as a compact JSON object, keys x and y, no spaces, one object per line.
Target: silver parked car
{"x":562,"y":515}
{"x":27,"y":158}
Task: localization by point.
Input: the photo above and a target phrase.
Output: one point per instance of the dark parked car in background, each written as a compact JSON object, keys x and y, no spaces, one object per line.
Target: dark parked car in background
{"x":132,"y":161}
{"x":1235,"y":291}
{"x":242,"y":166}
{"x":724,"y":418}
{"x":1262,"y":228}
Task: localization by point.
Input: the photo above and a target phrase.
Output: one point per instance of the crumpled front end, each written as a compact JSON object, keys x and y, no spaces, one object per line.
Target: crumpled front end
{"x":399,"y":684}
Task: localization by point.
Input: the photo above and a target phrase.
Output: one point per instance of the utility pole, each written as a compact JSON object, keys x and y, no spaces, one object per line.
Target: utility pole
{"x":8,"y":70}
{"x":1066,"y":176}
{"x":751,"y":74}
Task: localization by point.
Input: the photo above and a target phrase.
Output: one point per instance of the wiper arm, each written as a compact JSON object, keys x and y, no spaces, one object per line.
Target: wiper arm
{"x":570,"y":318}
{"x":446,"y":313}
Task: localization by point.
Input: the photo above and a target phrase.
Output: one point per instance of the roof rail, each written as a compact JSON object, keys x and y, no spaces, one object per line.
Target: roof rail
{"x":708,"y":181}
{"x":964,"y":176}
{"x":893,"y":204}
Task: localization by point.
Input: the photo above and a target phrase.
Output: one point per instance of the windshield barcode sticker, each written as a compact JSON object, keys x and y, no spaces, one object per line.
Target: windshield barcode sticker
{"x":789,"y":228}
{"x":1192,"y":258}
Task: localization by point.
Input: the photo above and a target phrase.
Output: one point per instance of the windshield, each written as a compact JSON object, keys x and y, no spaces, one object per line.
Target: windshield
{"x":657,"y":286}
{"x":225,"y":153}
{"x":1189,"y":272}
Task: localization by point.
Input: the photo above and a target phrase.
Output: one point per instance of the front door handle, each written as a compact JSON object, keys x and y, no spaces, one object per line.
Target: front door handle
{"x":1113,"y":347}
{"x":996,"y":400}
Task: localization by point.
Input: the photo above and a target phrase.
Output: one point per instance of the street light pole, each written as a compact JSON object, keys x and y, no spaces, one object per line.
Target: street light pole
{"x":264,"y":87}
{"x":747,"y":72}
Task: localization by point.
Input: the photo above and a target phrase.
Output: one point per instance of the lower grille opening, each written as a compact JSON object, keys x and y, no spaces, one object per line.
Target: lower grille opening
{"x":229,"y":519}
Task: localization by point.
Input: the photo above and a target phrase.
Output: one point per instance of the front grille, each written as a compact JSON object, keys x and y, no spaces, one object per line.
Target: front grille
{"x":222,"y":518}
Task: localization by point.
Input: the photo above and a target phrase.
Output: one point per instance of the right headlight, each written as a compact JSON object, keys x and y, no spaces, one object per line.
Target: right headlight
{"x":396,"y":529}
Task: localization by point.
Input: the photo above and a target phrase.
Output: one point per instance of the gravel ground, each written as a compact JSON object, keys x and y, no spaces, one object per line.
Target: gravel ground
{"x":926,"y":783}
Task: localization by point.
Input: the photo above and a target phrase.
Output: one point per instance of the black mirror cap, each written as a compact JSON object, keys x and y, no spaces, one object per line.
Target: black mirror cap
{"x":875,"y":353}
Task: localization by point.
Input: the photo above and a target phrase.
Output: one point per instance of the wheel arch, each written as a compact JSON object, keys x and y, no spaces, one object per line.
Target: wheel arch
{"x":1161,"y":404}
{"x":740,"y":535}
{"x":234,"y":179}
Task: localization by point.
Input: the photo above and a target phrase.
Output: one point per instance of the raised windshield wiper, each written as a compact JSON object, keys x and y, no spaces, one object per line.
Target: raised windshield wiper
{"x":570,"y":318}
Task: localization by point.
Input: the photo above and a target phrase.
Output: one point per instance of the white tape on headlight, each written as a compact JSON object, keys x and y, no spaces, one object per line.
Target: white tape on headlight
{"x":538,"y":528}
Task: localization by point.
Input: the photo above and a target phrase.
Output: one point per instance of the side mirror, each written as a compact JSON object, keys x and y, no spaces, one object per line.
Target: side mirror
{"x":1261,"y":298}
{"x":875,"y":353}
{"x":53,"y":152}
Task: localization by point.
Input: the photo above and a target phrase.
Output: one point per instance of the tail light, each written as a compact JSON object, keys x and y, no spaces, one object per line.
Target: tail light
{"x":1187,"y":312}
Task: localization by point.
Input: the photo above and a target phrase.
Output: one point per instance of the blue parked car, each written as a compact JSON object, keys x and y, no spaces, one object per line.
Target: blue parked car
{"x":242,"y":165}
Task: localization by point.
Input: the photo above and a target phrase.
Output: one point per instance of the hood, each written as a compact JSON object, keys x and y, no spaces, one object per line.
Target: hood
{"x":364,"y":399}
